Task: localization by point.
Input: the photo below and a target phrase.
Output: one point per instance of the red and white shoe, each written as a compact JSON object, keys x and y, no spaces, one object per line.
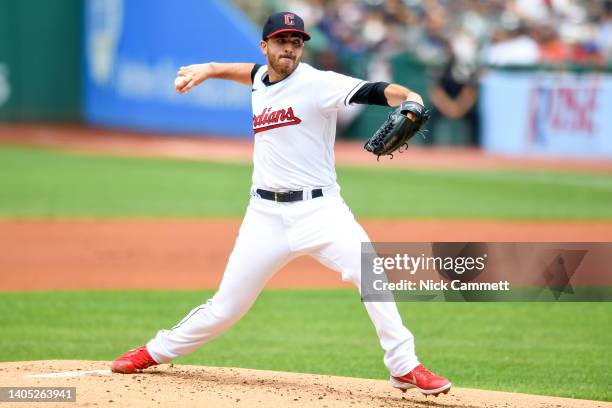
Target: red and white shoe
{"x":423,"y":380}
{"x":133,"y":361}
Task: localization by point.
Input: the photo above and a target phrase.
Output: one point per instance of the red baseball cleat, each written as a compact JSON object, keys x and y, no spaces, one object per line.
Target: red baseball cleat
{"x":133,"y":361}
{"x":423,"y":380}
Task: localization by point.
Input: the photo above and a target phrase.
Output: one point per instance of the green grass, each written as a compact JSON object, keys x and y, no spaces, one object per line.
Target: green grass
{"x":47,"y":184}
{"x":542,"y":348}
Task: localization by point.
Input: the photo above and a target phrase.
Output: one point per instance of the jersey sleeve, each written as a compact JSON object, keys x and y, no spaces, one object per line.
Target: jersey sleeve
{"x":371,"y":93}
{"x":334,"y":90}
{"x":254,"y":71}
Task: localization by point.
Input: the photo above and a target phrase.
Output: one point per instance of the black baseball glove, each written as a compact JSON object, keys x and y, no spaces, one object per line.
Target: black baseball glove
{"x":398,"y":129}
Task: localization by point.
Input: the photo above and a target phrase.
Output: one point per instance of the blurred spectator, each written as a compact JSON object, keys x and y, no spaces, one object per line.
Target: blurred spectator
{"x":454,"y":96}
{"x":501,"y":31}
{"x":511,"y":47}
{"x":551,"y":49}
{"x":430,"y":42}
{"x":604,"y":31}
{"x":548,"y":10}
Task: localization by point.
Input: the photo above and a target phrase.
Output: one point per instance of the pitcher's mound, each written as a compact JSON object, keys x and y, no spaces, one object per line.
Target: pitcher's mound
{"x":189,"y":386}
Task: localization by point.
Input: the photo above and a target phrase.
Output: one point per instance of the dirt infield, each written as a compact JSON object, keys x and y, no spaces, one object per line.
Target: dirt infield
{"x":42,"y":255}
{"x":188,"y":386}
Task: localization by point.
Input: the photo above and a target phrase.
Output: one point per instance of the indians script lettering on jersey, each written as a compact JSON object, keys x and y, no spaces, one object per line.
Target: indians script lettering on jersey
{"x":270,"y":120}
{"x":294,"y":126}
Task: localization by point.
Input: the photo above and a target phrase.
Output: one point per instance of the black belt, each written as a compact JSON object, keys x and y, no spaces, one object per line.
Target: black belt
{"x":287,"y":196}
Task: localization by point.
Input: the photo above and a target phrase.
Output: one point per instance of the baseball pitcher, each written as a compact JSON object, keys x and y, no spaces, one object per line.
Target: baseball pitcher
{"x":295,"y":206}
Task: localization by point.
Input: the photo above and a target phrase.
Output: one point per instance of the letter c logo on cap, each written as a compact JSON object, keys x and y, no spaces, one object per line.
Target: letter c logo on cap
{"x":289,"y":19}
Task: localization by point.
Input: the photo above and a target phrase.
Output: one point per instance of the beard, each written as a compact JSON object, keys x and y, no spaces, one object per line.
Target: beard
{"x":283,"y":66}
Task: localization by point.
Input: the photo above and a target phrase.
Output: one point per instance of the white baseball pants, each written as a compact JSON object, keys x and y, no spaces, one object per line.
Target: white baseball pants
{"x":270,"y":236}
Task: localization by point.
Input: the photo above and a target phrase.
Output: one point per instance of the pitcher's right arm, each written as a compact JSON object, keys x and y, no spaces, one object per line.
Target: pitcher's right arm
{"x":197,"y":73}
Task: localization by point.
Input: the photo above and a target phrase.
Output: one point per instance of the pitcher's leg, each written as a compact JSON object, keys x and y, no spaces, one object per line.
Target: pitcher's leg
{"x":259,"y":252}
{"x":344,"y":256}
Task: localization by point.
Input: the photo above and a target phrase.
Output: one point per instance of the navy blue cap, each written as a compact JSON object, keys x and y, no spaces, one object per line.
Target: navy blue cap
{"x":284,"y":22}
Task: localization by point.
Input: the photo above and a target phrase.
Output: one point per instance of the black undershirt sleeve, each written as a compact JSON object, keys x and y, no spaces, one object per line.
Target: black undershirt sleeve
{"x":254,"y":71}
{"x":372,"y":93}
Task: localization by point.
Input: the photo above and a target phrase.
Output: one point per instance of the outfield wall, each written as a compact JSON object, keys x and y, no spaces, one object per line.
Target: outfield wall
{"x":547,"y":113}
{"x":133,"y":50}
{"x":39,"y":60}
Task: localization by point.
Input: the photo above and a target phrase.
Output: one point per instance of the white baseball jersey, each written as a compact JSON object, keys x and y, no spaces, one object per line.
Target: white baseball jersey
{"x":294,"y":121}
{"x":294,"y":125}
